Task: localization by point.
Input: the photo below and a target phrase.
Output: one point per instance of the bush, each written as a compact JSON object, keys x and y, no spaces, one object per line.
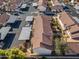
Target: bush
{"x":44,"y":57}
{"x":14,"y":53}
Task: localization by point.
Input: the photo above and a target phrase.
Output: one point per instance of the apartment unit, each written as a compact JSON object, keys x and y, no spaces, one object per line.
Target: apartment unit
{"x":42,"y":36}
{"x":73,"y":32}
{"x":73,"y":41}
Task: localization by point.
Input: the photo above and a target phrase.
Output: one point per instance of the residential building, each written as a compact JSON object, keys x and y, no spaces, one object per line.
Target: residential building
{"x":74,"y":28}
{"x":73,"y":40}
{"x":3,"y":19}
{"x":42,"y":40}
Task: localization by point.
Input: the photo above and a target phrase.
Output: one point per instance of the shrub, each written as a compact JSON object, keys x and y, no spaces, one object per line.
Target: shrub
{"x":14,"y":53}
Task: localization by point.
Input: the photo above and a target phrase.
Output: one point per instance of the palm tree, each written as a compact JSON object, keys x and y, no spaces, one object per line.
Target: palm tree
{"x":64,"y":38}
{"x":49,"y":4}
{"x":57,"y":46}
{"x":22,"y":47}
{"x":55,"y":23}
{"x":31,"y":48}
{"x":13,"y":53}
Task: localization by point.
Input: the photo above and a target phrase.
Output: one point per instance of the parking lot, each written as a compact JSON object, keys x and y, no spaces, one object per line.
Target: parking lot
{"x":16,"y":24}
{"x":11,"y":39}
{"x":8,"y":40}
{"x":19,"y":26}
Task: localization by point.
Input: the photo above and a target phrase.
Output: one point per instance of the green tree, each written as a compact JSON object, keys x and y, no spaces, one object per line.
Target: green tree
{"x":60,"y":39}
{"x":13,"y":53}
{"x":49,"y":4}
{"x":2,"y":52}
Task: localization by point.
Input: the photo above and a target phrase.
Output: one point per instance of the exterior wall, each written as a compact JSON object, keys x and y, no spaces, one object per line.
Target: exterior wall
{"x":42,"y":51}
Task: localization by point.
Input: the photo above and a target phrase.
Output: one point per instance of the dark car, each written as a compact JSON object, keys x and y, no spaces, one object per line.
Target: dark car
{"x":8,"y":40}
{"x":65,"y":7}
{"x":24,"y":9}
{"x":16,"y":13}
{"x":49,"y":13}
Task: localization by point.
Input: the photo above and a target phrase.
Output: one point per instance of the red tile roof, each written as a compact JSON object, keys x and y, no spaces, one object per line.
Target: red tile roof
{"x":47,"y":31}
{"x":74,"y":46}
{"x":74,"y":42}
{"x":13,"y":3}
{"x":56,"y":2}
{"x":66,"y":19}
{"x":42,"y":2}
{"x":1,"y":2}
{"x":4,"y":18}
{"x":42,"y":34}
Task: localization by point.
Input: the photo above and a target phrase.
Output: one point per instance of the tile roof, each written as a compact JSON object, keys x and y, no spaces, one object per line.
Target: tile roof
{"x":42,"y":34}
{"x":13,"y":4}
{"x":47,"y":31}
{"x":4,"y":18}
{"x":56,"y":2}
{"x":74,"y":46}
{"x":37,"y":32}
{"x":42,"y":2}
{"x":1,"y":2}
{"x":74,"y":42}
{"x":66,"y":19}
{"x":57,"y":8}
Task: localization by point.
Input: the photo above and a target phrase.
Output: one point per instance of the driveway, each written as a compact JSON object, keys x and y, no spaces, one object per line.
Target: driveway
{"x":8,"y":40}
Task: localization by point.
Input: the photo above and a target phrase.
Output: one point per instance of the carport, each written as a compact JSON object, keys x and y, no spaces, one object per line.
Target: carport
{"x":12,"y":19}
{"x":29,"y":20}
{"x":23,"y":6}
{"x":3,"y":33}
{"x":25,"y":33}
